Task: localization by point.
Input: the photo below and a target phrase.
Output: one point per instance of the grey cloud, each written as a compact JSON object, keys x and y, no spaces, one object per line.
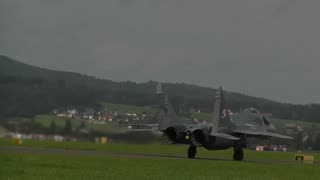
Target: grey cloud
{"x":261,"y":48}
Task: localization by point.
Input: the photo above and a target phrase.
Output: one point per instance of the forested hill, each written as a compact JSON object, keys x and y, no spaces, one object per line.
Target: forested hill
{"x":28,"y":90}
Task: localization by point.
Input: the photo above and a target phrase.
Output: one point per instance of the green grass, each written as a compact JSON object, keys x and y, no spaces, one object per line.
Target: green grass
{"x":45,"y":121}
{"x":203,"y":116}
{"x":127,"y":108}
{"x":156,"y":148}
{"x":35,"y":166}
{"x":75,"y":166}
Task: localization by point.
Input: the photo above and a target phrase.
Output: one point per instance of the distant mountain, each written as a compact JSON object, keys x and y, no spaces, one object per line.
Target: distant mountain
{"x":27,"y":90}
{"x":10,"y":67}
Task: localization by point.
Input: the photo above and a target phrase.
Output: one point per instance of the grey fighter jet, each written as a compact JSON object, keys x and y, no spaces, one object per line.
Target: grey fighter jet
{"x":226,"y":131}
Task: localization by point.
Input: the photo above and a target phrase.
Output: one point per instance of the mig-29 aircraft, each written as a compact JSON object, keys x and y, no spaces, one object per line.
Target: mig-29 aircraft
{"x":226,"y":131}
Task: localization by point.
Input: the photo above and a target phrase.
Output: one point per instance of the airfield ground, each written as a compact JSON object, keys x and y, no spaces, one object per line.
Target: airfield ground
{"x":76,"y":160}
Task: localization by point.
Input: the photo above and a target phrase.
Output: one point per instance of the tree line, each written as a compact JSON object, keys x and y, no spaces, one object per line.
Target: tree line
{"x":22,"y":96}
{"x":27,"y":90}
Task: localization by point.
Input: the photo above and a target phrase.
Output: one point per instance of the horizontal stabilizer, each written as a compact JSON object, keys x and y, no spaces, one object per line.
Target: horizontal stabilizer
{"x":277,"y":135}
{"x":225,"y":136}
{"x":261,"y":133}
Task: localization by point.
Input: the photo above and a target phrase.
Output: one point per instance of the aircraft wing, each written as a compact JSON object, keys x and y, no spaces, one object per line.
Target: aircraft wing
{"x":260,"y":133}
{"x":225,"y":136}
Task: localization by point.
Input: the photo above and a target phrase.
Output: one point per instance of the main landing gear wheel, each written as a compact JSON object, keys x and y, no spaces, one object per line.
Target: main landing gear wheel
{"x":192,"y":151}
{"x":238,"y":154}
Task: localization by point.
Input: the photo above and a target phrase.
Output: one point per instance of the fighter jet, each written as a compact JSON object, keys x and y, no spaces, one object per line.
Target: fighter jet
{"x":226,"y":131}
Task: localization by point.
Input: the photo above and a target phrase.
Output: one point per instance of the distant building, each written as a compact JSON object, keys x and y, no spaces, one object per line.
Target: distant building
{"x":72,"y":113}
{"x":131,"y":114}
{"x":62,"y":114}
{"x":259,"y":148}
{"x":88,"y":114}
{"x":58,"y":138}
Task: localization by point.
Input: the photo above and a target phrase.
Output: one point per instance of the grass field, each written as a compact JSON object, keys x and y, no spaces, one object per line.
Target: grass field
{"x":45,"y":121}
{"x":257,"y":165}
{"x":24,"y":165}
{"x":203,"y":116}
{"x":30,"y":166}
{"x":127,"y":108}
{"x":154,"y":148}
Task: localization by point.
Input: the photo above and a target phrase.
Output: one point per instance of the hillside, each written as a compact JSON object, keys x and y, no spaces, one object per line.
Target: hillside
{"x":28,"y":90}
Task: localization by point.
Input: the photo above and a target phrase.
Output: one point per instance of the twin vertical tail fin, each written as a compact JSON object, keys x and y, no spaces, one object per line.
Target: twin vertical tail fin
{"x":166,"y":115}
{"x":217,"y":111}
{"x":221,"y":118}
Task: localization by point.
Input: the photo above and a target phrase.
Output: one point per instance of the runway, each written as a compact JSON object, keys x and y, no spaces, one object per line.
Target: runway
{"x":33,"y":150}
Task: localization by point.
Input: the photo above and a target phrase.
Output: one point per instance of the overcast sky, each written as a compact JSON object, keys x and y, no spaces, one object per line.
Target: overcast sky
{"x":264,"y":48}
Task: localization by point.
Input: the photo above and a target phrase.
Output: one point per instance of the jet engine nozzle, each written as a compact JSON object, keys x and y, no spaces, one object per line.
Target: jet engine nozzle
{"x":175,"y":135}
{"x":199,"y":137}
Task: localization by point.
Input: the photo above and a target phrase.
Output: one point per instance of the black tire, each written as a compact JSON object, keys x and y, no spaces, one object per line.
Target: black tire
{"x":238,"y":154}
{"x":192,"y":151}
